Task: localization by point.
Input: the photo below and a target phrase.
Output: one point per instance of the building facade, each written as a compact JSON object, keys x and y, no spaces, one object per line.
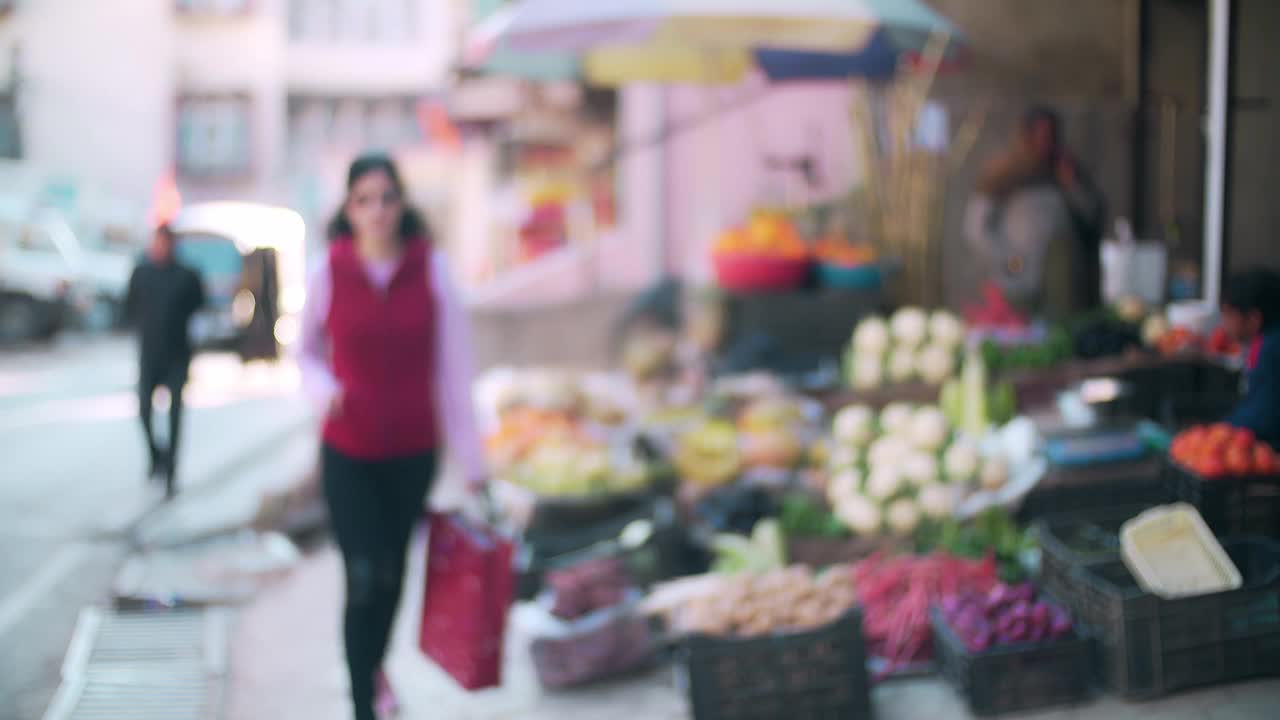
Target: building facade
{"x":262,"y":100}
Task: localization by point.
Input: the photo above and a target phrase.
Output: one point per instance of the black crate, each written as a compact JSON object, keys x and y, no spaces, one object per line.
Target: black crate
{"x":1069,"y":541}
{"x":1181,"y":410}
{"x":1229,"y":505}
{"x":815,"y":675}
{"x":1148,"y":647}
{"x":1012,"y":679}
{"x":1067,"y":490}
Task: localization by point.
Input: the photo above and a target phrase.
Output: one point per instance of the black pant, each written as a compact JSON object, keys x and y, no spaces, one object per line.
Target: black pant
{"x":173,"y":379}
{"x":373,"y":506}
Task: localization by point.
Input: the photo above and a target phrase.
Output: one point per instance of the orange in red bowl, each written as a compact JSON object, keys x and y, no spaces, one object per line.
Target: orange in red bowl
{"x":757,"y":273}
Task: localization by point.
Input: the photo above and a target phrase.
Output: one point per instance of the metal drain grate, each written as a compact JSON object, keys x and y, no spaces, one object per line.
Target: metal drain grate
{"x":161,"y":665}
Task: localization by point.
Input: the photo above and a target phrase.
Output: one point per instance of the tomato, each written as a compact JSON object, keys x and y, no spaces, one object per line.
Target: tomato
{"x":1179,"y":449}
{"x":1265,"y":461}
{"x":1210,"y":467}
{"x":1238,"y":461}
{"x":1192,"y":440}
{"x":1242,"y":439}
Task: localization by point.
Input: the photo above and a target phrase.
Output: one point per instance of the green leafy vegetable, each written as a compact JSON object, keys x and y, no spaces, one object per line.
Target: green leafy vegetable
{"x":803,"y":516}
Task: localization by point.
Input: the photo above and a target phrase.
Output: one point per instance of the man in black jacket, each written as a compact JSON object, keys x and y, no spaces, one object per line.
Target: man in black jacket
{"x":163,"y":296}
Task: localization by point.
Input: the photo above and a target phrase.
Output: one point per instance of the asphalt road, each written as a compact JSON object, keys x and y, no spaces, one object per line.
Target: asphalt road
{"x":72,"y":485}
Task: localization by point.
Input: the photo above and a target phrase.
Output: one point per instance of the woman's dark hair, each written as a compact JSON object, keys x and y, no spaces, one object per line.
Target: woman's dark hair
{"x":412,"y":223}
{"x":1255,"y":290}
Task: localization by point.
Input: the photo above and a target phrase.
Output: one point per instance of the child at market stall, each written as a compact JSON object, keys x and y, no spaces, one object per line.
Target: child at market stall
{"x":1251,"y":314}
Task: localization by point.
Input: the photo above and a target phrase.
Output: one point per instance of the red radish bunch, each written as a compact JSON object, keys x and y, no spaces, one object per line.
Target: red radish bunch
{"x":1005,"y":615}
{"x":896,"y":594}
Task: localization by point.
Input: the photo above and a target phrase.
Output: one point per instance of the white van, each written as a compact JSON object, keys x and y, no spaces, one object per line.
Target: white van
{"x":252,"y":260}
{"x":42,"y":288}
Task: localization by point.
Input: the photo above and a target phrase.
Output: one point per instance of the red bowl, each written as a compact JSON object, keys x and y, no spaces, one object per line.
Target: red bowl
{"x":755,"y":273}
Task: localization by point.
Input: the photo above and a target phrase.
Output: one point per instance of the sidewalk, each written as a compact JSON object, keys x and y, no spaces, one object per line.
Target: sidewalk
{"x":286,"y":664}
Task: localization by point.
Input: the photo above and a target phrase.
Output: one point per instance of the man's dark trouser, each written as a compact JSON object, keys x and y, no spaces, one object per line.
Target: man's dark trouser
{"x":173,"y":379}
{"x":373,"y":505}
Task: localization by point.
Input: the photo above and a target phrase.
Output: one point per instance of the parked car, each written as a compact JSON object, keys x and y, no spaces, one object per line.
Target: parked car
{"x":107,"y":259}
{"x":41,"y":287}
{"x":252,"y":260}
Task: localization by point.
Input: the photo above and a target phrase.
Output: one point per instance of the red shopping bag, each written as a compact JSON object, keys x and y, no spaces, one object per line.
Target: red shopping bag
{"x":470,"y":586}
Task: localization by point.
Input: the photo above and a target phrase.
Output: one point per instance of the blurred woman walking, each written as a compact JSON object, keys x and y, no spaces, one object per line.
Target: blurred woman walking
{"x":386,"y":353}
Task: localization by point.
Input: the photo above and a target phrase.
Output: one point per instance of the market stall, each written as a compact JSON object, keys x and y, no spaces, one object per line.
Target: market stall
{"x":983,"y":495}
{"x":750,"y":525}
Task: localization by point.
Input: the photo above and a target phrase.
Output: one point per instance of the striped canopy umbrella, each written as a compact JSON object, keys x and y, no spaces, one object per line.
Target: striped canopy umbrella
{"x":701,"y":41}
{"x":879,"y":59}
{"x":488,"y":48}
{"x":832,"y":26}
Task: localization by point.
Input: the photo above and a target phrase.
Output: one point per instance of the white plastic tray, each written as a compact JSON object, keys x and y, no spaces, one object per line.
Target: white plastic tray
{"x":1172,"y":554}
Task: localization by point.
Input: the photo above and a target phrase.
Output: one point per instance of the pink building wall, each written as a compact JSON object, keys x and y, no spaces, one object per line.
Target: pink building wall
{"x":715,"y":171}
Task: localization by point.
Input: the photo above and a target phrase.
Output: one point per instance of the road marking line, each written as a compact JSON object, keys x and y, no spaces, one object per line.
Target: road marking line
{"x":19,"y":602}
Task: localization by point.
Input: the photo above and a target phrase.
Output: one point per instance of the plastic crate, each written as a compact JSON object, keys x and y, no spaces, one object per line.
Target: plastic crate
{"x":1179,"y":411}
{"x":1230,"y":505}
{"x":1098,"y":488}
{"x":1070,"y":541}
{"x":1148,"y":647}
{"x":1011,"y":679}
{"x":814,"y":675}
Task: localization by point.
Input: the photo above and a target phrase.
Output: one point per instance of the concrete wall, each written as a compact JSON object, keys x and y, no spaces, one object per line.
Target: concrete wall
{"x":1079,"y":56}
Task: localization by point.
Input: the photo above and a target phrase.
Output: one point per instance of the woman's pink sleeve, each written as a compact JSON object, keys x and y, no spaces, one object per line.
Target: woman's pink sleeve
{"x":318,"y":381}
{"x":455,"y":374}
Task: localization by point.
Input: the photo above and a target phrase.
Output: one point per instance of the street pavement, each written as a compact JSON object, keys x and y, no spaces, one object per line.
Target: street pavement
{"x":286,"y":664}
{"x":72,"y":493}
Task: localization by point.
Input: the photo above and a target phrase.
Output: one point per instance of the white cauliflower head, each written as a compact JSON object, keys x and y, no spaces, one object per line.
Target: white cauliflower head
{"x":902,"y":517}
{"x":902,"y":364}
{"x":884,"y":482}
{"x":909,"y":326}
{"x":895,"y":418}
{"x":868,"y":371}
{"x":994,"y":473}
{"x":888,"y":451}
{"x":853,"y":425}
{"x":945,"y":328}
{"x":920,"y":469}
{"x":929,"y":429}
{"x":936,"y":363}
{"x":937,"y":500}
{"x":843,"y":457}
{"x":844,"y":484}
{"x":961,"y":461}
{"x":871,"y":336}
{"x":859,"y":514}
